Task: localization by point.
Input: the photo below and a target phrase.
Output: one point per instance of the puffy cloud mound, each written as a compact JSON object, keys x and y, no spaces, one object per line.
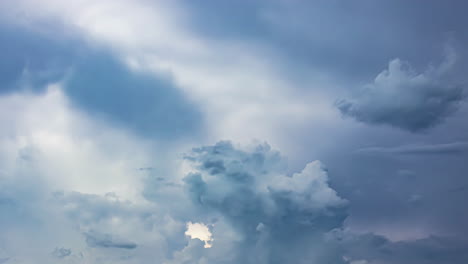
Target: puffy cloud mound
{"x":276,"y":218}
{"x":402,"y":98}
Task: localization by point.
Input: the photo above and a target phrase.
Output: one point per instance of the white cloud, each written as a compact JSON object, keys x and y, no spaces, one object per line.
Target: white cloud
{"x":70,"y":151}
{"x":199,"y":231}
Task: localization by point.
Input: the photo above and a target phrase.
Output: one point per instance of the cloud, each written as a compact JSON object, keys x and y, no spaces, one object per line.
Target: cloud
{"x":246,"y":90}
{"x":435,"y":149}
{"x":31,"y":60}
{"x":147,"y":104}
{"x":375,"y":249}
{"x":255,"y":211}
{"x":61,"y":252}
{"x":199,"y":231}
{"x":156,"y":66}
{"x":402,"y":98}
{"x":95,"y":239}
{"x":277,"y":218}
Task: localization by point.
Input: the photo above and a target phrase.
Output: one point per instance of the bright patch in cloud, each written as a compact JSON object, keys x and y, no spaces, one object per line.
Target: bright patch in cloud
{"x":200,"y":231}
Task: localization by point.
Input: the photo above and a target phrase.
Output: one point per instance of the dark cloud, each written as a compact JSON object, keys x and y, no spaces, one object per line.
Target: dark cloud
{"x":95,"y":81}
{"x":349,"y":40}
{"x":31,"y":60}
{"x":402,"y":98}
{"x":151,"y":106}
{"x":374,"y":249}
{"x":96,"y":239}
{"x":448,"y":148}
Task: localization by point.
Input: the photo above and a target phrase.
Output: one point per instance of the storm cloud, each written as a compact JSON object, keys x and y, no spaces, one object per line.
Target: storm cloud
{"x":130,"y":132}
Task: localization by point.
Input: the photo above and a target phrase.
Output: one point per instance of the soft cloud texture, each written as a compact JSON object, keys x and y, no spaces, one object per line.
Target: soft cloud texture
{"x":99,"y":98}
{"x":403,"y":98}
{"x":448,"y":148}
{"x":275,"y":217}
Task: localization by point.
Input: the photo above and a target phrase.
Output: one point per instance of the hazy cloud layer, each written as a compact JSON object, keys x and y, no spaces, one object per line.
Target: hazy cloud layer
{"x":448,"y":148}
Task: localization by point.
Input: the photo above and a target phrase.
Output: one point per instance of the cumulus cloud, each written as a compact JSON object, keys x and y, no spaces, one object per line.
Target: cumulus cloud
{"x":256,"y":211}
{"x":403,"y":98}
{"x":276,"y":218}
{"x":242,"y":202}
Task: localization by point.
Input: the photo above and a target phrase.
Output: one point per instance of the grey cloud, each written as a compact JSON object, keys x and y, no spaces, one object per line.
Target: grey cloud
{"x":280,"y":218}
{"x":31,"y":60}
{"x":61,"y":252}
{"x":96,"y":239}
{"x":375,"y":249}
{"x":401,"y":97}
{"x":95,"y":81}
{"x":448,"y":148}
{"x":150,"y":105}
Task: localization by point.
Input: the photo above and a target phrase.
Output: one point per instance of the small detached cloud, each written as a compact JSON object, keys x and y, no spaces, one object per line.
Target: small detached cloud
{"x":402,"y":98}
{"x":99,"y":240}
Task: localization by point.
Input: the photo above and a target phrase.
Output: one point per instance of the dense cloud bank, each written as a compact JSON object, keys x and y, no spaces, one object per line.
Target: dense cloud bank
{"x":253,"y":210}
{"x":98,"y":98}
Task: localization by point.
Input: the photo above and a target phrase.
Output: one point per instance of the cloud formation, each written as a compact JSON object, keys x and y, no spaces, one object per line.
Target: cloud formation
{"x":147,"y":104}
{"x":95,"y":239}
{"x":403,"y":98}
{"x":87,"y":167}
{"x":277,"y":218}
{"x":448,"y":148}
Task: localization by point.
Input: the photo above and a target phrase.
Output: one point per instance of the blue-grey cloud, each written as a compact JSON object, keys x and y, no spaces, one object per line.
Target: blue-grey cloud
{"x":96,"y":82}
{"x":371,"y":248}
{"x":291,"y":219}
{"x":280,"y":218}
{"x":61,"y":252}
{"x":448,"y":148}
{"x":96,"y":239}
{"x":402,"y":98}
{"x":334,"y":36}
{"x":31,"y":60}
{"x":149,"y":105}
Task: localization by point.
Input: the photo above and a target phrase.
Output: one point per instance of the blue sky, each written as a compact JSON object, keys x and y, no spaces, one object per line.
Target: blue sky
{"x":233,"y":131}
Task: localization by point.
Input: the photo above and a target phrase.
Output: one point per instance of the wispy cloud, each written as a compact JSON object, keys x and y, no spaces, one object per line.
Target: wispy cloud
{"x":421,"y":149}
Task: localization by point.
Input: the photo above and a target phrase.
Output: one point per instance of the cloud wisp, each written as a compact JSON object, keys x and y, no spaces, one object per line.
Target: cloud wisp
{"x":453,"y":148}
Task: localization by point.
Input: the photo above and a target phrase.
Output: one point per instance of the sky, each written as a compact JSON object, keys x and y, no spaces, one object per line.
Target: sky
{"x":226,"y":132}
